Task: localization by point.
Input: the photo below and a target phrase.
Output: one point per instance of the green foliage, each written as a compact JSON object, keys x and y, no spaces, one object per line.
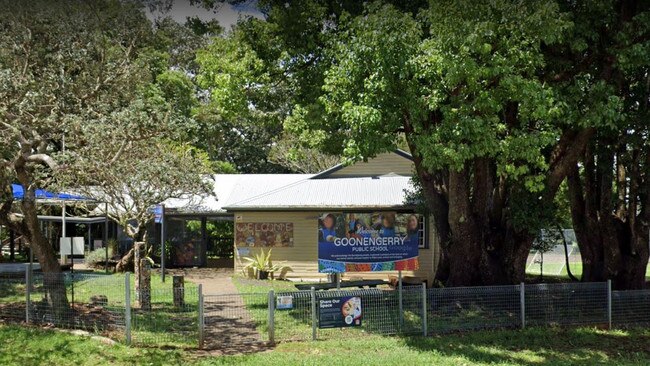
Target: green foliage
{"x":97,"y":258}
{"x":474,"y":62}
{"x":262,"y":262}
{"x":243,"y":115}
{"x":223,"y":167}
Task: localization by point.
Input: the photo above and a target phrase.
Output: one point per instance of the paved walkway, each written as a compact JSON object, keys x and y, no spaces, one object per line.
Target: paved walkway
{"x":215,"y":281}
{"x":229,"y":326}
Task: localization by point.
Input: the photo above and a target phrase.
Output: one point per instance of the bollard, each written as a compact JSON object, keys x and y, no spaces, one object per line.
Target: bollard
{"x":127,"y":307}
{"x":271,"y":317}
{"x":313,"y":314}
{"x":178,"y":284}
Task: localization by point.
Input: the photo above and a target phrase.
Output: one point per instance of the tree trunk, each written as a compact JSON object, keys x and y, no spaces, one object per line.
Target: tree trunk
{"x":126,"y":263}
{"x":503,"y":260}
{"x":464,"y":249}
{"x":472,"y":209}
{"x":613,"y":243}
{"x":55,"y":291}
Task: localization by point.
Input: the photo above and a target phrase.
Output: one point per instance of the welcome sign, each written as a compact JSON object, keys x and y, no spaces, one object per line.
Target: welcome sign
{"x":264,"y":234}
{"x":363,"y":242}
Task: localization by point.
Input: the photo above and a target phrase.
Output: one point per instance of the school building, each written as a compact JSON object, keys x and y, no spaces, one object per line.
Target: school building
{"x":285,"y":212}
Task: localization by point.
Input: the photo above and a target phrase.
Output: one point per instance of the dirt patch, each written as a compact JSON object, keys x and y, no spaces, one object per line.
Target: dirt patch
{"x":80,"y":316}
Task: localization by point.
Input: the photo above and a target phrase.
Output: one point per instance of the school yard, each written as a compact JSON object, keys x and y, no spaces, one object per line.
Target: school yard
{"x":534,"y":346}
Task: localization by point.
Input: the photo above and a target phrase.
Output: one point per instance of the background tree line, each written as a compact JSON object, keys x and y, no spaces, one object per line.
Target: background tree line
{"x":511,"y":110}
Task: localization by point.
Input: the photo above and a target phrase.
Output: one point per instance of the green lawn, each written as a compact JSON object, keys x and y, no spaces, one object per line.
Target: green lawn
{"x":165,"y":325}
{"x":380,"y":316}
{"x":559,"y":269}
{"x":537,"y":346}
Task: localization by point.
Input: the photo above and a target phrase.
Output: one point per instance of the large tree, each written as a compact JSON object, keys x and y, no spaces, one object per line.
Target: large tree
{"x":65,"y":68}
{"x":462,"y":83}
{"x":497,"y":102}
{"x":609,"y":189}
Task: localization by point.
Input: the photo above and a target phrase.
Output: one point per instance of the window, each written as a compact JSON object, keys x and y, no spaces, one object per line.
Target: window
{"x":424,"y":243}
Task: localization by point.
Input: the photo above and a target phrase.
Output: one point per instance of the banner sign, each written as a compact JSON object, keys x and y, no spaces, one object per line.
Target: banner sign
{"x":339,"y":312}
{"x":264,"y":234}
{"x":364,"y":242}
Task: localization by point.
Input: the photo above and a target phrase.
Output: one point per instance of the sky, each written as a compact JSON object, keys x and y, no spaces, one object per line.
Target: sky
{"x":226,"y":14}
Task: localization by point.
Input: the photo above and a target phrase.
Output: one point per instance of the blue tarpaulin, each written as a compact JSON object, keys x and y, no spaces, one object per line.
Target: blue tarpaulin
{"x":42,"y":194}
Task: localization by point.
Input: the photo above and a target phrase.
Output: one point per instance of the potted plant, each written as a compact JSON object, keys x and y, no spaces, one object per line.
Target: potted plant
{"x":262,"y":264}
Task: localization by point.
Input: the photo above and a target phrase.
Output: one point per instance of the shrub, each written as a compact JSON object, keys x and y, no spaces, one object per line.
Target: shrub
{"x":97,"y":258}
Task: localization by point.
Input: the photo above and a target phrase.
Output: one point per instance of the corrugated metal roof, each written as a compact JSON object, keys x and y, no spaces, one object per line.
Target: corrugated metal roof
{"x":389,"y":191}
{"x":230,"y":188}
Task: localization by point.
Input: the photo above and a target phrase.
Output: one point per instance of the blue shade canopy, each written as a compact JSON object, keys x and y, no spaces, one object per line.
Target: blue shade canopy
{"x":42,"y":194}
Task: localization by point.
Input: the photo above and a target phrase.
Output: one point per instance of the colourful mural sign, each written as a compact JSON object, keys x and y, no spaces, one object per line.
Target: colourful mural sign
{"x":264,"y":234}
{"x":364,"y":242}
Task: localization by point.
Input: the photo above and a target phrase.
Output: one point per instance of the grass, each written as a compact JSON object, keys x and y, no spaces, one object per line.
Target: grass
{"x":535,"y":346}
{"x":381,"y":312}
{"x":559,"y":269}
{"x":165,"y":325}
{"x":34,"y":346}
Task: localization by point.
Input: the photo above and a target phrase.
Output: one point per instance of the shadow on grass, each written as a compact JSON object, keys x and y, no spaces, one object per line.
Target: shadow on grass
{"x":166,"y":326}
{"x":575,"y":346}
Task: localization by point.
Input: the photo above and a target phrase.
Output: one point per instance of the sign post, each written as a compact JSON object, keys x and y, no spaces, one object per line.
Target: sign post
{"x":159,"y":218}
{"x":401,"y":304}
{"x":313,"y":314}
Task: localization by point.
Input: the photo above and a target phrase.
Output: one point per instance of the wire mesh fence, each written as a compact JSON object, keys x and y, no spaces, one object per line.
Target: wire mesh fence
{"x":473,"y":308}
{"x":94,"y":303}
{"x":12,"y":297}
{"x":631,"y":308}
{"x":293,"y":323}
{"x":105,"y":304}
{"x":566,"y":304}
{"x":380,"y":311}
{"x":235,"y":319}
{"x":167,"y":322}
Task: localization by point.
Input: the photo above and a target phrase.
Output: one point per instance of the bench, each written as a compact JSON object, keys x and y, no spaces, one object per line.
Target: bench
{"x":343,"y":284}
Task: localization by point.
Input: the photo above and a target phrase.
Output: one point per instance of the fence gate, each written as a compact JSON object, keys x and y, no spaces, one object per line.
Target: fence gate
{"x":234,"y":320}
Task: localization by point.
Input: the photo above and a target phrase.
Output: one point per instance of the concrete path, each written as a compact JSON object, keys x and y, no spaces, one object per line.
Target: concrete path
{"x":229,"y":326}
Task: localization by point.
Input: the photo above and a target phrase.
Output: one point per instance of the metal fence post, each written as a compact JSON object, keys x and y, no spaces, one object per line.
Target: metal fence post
{"x":313,"y":314}
{"x":28,"y":293}
{"x":522,"y":305}
{"x":609,"y":303}
{"x":424,"y":310}
{"x":201,"y":317}
{"x":127,"y":307}
{"x":401,"y":304}
{"x":271,"y":316}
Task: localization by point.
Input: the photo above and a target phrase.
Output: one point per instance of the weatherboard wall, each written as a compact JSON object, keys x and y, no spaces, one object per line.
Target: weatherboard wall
{"x":302,"y":257}
{"x":385,"y":163}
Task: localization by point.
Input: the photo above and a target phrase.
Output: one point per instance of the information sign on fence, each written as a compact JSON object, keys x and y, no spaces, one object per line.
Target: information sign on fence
{"x":284,"y":302}
{"x":339,"y":312}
